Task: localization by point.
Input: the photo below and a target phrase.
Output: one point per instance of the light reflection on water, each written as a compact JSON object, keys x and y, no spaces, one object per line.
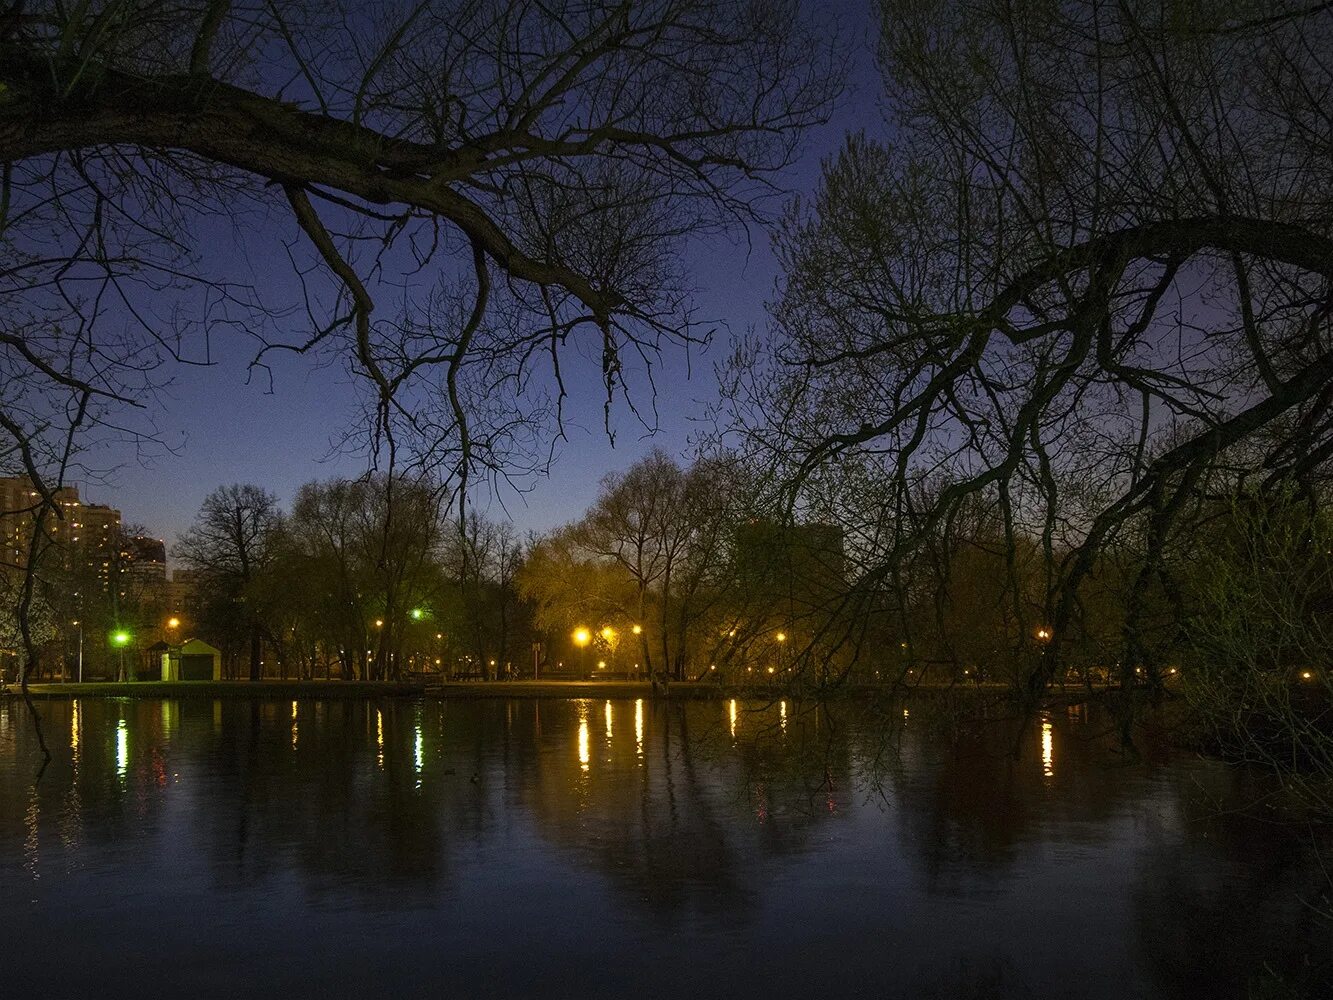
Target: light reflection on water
{"x":584,"y":755}
{"x":122,"y":748}
{"x":1047,"y":749}
{"x":699,"y":833}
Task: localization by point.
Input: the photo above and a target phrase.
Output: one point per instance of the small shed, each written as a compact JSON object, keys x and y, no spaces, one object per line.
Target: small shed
{"x":192,"y":660}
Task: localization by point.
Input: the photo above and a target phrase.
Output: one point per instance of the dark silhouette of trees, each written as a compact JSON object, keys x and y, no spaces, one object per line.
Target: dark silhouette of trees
{"x":530,"y":168}
{"x":232,"y":545}
{"x":1094,"y":266}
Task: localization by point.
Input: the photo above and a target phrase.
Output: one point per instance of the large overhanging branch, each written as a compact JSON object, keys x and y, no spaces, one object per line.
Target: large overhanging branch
{"x":268,"y":138}
{"x":1176,"y":240}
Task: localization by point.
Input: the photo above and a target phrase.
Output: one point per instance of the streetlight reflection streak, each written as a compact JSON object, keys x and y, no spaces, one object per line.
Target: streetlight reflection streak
{"x":1047,"y":749}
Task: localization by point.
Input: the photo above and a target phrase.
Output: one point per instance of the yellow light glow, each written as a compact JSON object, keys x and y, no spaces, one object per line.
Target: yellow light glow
{"x":379,"y":623}
{"x":731,"y":711}
{"x":173,"y":623}
{"x":584,"y":755}
{"x":1306,"y":675}
{"x":781,"y":637}
{"x":581,"y":636}
{"x":601,"y":664}
{"x":608,"y":722}
{"x":379,"y":739}
{"x":1047,"y":749}
{"x":1043,"y":633}
{"x":608,"y":633}
{"x":637,"y":630}
{"x":782,"y":714}
{"x":638,"y":726}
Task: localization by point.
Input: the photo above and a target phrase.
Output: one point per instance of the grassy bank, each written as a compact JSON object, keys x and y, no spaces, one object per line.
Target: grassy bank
{"x":285,"y":690}
{"x":680,"y":690}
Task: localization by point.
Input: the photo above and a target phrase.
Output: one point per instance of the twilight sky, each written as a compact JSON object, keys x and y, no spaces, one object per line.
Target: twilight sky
{"x":225,"y":428}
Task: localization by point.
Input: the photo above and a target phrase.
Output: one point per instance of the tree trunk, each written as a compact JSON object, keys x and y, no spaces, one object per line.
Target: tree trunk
{"x":255,"y":670}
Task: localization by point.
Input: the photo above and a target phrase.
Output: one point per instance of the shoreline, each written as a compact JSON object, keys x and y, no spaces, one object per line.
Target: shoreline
{"x":473,"y":690}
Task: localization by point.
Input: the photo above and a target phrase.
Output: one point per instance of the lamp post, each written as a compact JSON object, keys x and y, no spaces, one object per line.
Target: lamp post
{"x":120,"y":638}
{"x":581,"y":638}
{"x":79,"y":623}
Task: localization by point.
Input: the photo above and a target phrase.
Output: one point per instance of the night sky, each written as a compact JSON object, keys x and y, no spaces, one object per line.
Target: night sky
{"x":223,"y":427}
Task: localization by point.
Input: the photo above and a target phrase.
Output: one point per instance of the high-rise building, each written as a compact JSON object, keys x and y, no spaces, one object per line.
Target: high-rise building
{"x":143,"y":566}
{"x":87,"y":536}
{"x":20,"y":505}
{"x":182,"y":592}
{"x":99,"y":541}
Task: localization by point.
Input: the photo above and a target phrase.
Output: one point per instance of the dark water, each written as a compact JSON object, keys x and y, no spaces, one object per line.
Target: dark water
{"x":622,"y":849}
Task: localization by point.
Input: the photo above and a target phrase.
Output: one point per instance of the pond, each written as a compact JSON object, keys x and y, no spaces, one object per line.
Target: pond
{"x":628,"y":849}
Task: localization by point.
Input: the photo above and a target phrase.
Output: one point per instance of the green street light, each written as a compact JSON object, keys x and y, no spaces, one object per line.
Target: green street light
{"x":418,"y":614}
{"x":120,"y":637}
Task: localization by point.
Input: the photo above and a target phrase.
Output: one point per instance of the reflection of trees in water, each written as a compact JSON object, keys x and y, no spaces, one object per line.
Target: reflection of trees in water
{"x":376,"y":803}
{"x":669,"y":823}
{"x":373,"y":799}
{"x":324,"y":801}
{"x":973,"y":806}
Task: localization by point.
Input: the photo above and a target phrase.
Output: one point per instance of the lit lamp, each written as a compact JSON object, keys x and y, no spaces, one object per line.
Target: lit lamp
{"x":582,"y":637}
{"x":120,"y":638}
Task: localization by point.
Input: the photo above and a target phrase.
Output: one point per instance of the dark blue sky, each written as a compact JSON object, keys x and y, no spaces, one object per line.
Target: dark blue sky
{"x":224,"y":427}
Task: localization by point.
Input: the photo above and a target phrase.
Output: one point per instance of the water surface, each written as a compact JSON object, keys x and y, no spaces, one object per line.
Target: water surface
{"x":625,"y":849}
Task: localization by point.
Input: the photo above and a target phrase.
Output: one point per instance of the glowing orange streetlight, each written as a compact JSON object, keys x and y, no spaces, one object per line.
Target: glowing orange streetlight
{"x":1044,"y":634}
{"x":582,"y":637}
{"x":173,"y":623}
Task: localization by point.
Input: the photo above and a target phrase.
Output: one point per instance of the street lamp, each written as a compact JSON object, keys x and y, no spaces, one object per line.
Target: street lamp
{"x":120,"y":638}
{"x":79,"y":623}
{"x":581,"y":639}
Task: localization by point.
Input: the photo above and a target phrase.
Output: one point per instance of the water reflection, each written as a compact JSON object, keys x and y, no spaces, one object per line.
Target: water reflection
{"x":122,"y":748}
{"x":584,"y":755}
{"x":1047,"y":748}
{"x":512,"y":862}
{"x":379,"y":739}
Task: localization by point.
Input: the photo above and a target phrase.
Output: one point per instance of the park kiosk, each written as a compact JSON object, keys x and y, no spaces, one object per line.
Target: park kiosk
{"x":192,"y":660}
